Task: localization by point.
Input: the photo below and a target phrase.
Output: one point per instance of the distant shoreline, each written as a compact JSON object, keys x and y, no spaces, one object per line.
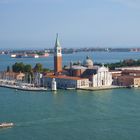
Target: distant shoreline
{"x":72,"y":50}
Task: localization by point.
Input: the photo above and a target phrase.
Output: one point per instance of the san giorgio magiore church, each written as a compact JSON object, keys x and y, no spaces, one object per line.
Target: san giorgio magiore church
{"x":78,"y":75}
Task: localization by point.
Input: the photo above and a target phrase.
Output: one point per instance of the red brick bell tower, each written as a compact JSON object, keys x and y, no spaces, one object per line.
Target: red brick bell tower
{"x":57,"y":57}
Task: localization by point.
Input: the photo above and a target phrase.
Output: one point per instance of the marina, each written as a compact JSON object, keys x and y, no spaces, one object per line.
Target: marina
{"x":21,"y":86}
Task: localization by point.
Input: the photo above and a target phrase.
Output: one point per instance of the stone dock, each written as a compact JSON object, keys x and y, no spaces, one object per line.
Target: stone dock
{"x":101,"y":88}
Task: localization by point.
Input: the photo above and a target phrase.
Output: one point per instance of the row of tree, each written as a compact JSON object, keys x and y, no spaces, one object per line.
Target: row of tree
{"x":27,"y":68}
{"x":124,"y":63}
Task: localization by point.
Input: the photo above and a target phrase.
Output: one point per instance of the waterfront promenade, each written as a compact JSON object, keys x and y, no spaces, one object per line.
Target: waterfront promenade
{"x":101,"y":88}
{"x":30,"y":87}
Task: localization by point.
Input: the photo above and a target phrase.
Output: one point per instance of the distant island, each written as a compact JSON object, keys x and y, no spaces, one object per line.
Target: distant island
{"x":85,"y":75}
{"x":71,"y":50}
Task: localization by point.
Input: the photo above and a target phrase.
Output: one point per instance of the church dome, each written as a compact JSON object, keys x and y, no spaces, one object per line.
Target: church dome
{"x":88,"y":62}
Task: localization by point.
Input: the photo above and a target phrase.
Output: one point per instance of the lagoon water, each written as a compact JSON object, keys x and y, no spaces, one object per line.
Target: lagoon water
{"x":71,"y":115}
{"x":99,"y":57}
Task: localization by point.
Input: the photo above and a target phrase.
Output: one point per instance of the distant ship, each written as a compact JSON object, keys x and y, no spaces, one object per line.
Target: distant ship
{"x":13,"y":55}
{"x":24,"y":56}
{"x":29,"y":55}
{"x":3,"y":125}
{"x":44,"y":55}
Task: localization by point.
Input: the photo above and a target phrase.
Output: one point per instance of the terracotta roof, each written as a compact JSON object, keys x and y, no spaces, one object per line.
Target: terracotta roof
{"x":49,"y":73}
{"x":128,"y":76}
{"x":13,"y":73}
{"x":131,"y":71}
{"x":65,"y":77}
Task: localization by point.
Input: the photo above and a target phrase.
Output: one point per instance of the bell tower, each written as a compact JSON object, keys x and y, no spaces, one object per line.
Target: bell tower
{"x":57,"y":56}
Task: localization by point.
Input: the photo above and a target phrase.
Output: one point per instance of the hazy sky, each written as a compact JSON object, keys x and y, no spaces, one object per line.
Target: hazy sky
{"x":80,"y":23}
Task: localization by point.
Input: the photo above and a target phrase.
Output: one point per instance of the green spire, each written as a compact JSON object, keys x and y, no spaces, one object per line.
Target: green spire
{"x":57,"y":44}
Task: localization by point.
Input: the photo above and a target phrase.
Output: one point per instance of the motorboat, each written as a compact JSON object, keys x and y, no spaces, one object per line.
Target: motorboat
{"x":5,"y":124}
{"x":13,"y":55}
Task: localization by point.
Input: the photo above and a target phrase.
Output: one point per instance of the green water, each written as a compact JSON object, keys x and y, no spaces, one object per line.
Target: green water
{"x":71,"y":115}
{"x":99,"y":57}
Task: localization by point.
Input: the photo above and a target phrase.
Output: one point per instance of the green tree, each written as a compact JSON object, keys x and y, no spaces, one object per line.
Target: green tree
{"x":28,"y":68}
{"x":46,"y":70}
{"x":18,"y":67}
{"x":8,"y":69}
{"x":38,"y":67}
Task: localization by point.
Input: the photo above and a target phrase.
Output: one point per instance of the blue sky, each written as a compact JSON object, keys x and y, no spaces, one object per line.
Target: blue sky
{"x":80,"y":23}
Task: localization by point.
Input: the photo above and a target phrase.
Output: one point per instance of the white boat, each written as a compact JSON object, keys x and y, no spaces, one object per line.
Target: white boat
{"x":13,"y":55}
{"x":27,"y":88}
{"x":136,"y":86}
{"x":30,"y":56}
{"x":36,"y":56}
{"x":45,"y":55}
{"x":24,"y":56}
{"x":3,"y":125}
{"x":20,"y":86}
{"x":24,"y":88}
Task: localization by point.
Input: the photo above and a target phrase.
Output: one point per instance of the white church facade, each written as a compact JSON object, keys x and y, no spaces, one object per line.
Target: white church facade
{"x":98,"y":76}
{"x":102,"y":78}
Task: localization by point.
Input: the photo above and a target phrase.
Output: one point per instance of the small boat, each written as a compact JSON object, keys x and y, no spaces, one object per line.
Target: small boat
{"x":27,"y":88}
{"x":16,"y":56}
{"x":13,"y":55}
{"x":35,"y":56}
{"x":44,"y":55}
{"x":136,"y":86}
{"x":3,"y":125}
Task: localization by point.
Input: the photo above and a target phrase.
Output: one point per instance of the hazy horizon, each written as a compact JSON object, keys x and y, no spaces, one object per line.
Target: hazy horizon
{"x":33,"y":24}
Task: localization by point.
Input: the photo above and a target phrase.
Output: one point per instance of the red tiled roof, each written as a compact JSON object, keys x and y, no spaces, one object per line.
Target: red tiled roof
{"x":65,"y":77}
{"x":129,"y":76}
{"x":131,"y":71}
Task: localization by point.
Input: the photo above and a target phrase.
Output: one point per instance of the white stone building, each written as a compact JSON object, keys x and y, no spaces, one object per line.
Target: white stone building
{"x":102,"y":78}
{"x":98,"y":76}
{"x":66,"y":82}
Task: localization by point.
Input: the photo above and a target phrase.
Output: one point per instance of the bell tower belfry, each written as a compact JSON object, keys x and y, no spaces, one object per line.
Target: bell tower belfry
{"x":57,"y":56}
